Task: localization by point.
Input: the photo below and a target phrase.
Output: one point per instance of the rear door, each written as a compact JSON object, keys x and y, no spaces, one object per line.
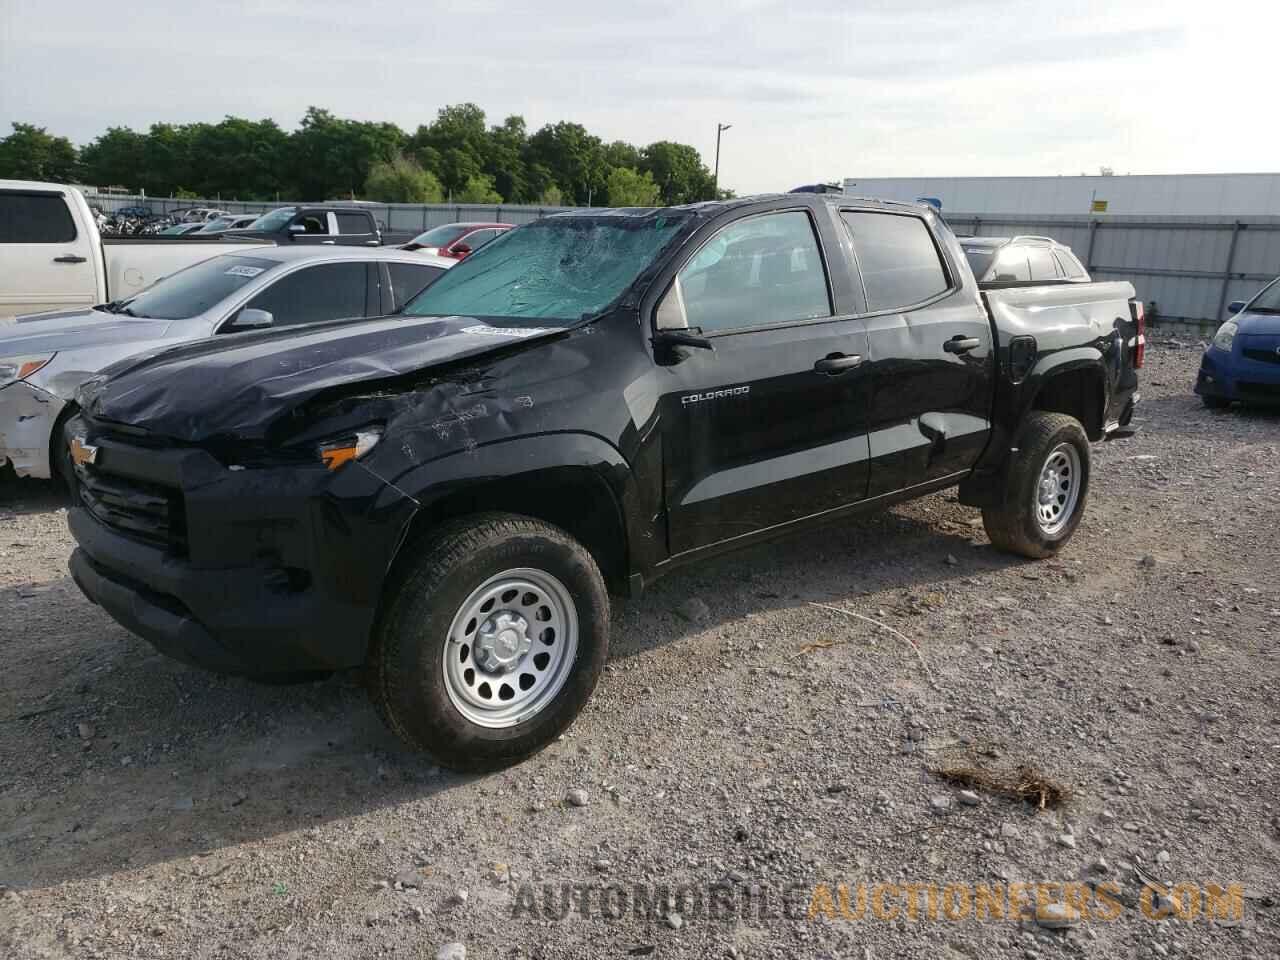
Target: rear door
{"x":931,"y":359}
{"x":46,"y":261}
{"x":355,"y":228}
{"x":770,"y":425}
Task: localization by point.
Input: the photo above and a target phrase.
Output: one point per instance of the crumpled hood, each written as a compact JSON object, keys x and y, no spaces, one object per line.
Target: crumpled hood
{"x":74,"y":330}
{"x":238,"y":385}
{"x":1258,"y":324}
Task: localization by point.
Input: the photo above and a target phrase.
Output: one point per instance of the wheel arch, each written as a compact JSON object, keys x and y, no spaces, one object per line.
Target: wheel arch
{"x":573,"y":481}
{"x":1075,"y":386}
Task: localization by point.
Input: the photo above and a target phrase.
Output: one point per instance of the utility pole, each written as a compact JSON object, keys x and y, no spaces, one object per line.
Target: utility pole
{"x":715,"y":179}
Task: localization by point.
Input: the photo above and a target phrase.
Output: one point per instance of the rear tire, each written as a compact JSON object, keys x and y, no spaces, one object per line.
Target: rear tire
{"x":492,"y":639}
{"x":1215,"y":403}
{"x":1048,"y":486}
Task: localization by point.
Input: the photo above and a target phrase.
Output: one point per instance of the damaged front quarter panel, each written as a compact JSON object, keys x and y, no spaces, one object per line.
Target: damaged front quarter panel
{"x":27,"y":417}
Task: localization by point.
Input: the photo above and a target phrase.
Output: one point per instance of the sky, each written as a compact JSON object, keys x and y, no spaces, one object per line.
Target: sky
{"x":814,"y":90}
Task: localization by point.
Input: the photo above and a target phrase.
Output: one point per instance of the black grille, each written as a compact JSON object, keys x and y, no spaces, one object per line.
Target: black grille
{"x":1266,"y":356}
{"x":147,"y":511}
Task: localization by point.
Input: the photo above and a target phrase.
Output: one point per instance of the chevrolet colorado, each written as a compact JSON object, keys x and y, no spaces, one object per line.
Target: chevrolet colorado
{"x":448,"y":496}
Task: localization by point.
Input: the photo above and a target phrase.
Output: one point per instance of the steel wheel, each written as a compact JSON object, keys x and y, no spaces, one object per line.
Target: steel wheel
{"x":510,"y":648}
{"x":1058,"y":489}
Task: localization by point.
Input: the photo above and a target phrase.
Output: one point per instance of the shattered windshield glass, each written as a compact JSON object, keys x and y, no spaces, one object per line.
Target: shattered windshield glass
{"x":561,"y":268}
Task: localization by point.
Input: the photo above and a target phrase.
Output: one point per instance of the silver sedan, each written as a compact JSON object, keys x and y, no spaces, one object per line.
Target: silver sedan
{"x":44,"y":358}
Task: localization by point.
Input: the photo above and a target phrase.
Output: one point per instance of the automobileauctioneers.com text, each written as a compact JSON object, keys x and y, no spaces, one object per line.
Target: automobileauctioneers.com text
{"x":1049,"y":901}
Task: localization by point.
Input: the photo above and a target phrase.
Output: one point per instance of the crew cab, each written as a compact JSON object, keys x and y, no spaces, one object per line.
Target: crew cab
{"x":449,"y":496}
{"x":53,"y":258}
{"x":314,"y":224}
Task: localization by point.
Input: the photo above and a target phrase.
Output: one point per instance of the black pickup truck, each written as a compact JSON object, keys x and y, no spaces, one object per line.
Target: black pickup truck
{"x":334,"y":225}
{"x":449,"y":496}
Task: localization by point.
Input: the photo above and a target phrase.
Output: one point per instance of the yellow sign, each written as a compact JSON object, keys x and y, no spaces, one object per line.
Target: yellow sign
{"x":1099,"y":206}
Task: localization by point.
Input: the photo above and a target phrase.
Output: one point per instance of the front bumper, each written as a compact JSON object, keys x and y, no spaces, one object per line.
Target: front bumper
{"x":27,"y":417}
{"x":278,"y":570}
{"x":1233,"y":376}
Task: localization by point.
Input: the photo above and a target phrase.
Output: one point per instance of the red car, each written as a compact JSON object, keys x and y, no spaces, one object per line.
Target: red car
{"x":456,"y":240}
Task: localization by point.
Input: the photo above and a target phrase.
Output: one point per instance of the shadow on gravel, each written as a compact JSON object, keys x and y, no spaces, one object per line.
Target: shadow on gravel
{"x":885,"y":551}
{"x":114,"y":758}
{"x":24,"y":495}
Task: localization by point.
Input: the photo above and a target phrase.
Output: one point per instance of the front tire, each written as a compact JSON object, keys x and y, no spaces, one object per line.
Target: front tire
{"x":492,"y":640}
{"x":1215,"y":403}
{"x":60,"y":464}
{"x":1048,"y":486}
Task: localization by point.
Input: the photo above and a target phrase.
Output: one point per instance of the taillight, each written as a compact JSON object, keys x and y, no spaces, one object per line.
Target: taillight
{"x":1140,"y":317}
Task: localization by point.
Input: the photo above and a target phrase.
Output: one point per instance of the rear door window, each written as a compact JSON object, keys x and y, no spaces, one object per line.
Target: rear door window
{"x":351,"y":223}
{"x":899,"y":261}
{"x":327,"y":291}
{"x":27,"y":217}
{"x":410,"y":279}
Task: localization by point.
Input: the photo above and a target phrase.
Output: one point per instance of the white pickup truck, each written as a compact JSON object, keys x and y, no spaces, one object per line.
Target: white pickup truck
{"x":52,"y":257}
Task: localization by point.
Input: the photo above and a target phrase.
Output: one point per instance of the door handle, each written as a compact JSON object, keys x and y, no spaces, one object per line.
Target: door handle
{"x":69,"y":258}
{"x":328,"y":243}
{"x":961,"y":344}
{"x":371,"y":243}
{"x":837,"y":363}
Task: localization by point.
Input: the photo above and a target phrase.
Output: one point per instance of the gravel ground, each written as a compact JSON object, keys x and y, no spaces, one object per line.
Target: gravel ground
{"x":742,"y":742}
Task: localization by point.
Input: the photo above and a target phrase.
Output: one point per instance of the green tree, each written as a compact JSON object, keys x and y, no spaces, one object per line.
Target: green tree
{"x":331,"y":157}
{"x":679,"y":172}
{"x":116,"y":159}
{"x":454,"y":145}
{"x":622,"y":154}
{"x":629,"y":188}
{"x":574,"y":157}
{"x":402,"y":180}
{"x":551,"y":197}
{"x":478,"y":189}
{"x":504,"y":160}
{"x":31,"y":153}
{"x":239,"y":158}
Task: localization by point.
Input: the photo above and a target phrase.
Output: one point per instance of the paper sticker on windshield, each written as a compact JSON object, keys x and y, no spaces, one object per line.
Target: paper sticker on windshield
{"x":244,"y":271}
{"x":484,"y":330}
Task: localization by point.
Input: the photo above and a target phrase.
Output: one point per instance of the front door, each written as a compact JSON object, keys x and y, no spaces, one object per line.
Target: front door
{"x":47,"y":263}
{"x":769,"y":426}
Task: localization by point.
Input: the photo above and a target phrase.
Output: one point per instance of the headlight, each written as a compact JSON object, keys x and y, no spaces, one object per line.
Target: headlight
{"x":19,"y":368}
{"x":1226,"y":335}
{"x":334,"y":453}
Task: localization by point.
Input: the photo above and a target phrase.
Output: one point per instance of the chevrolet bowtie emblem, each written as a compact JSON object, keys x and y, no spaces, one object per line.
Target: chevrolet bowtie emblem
{"x":81,"y":452}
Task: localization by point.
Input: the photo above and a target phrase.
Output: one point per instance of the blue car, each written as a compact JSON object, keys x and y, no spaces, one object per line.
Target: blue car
{"x":1243,"y":361}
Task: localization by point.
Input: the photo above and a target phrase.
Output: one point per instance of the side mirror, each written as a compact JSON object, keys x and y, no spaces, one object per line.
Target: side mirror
{"x":462,"y":249}
{"x":251,"y":319}
{"x":1235,"y":306}
{"x":297,"y":228}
